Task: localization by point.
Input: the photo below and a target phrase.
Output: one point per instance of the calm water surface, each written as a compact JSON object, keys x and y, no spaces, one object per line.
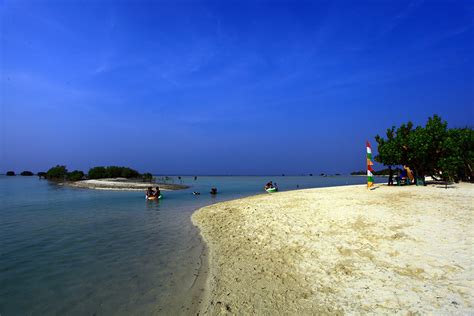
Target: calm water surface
{"x":77,"y":251}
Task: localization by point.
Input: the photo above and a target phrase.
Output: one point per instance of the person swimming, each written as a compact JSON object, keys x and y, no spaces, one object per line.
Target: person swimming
{"x":213,"y":191}
{"x":157,"y":192}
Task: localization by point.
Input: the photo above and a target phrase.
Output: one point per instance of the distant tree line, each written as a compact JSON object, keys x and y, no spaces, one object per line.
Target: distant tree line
{"x":23,"y":173}
{"x":433,"y":150}
{"x":61,"y":173}
{"x":112,"y":172}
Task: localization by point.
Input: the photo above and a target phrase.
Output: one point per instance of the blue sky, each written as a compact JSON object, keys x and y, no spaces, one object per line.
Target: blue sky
{"x":225,"y":87}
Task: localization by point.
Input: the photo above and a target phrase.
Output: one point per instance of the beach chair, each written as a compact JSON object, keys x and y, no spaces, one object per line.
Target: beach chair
{"x":420,"y":181}
{"x":402,"y":181}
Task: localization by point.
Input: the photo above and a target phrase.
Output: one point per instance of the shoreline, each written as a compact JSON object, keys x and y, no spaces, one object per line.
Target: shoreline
{"x":119,"y":184}
{"x":348,"y":250}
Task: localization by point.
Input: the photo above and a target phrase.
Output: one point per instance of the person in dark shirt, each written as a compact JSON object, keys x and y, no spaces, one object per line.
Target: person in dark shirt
{"x":149,"y":192}
{"x":390,"y":175}
{"x":157,"y":192}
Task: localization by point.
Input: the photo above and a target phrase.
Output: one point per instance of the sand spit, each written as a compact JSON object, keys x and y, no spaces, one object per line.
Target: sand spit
{"x":342,"y":250}
{"x":123,"y":184}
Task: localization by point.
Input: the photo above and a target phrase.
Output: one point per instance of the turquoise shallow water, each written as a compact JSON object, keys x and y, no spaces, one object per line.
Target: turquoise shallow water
{"x":77,"y":251}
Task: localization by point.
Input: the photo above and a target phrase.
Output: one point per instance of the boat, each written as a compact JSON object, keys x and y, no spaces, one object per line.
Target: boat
{"x":271,"y":190}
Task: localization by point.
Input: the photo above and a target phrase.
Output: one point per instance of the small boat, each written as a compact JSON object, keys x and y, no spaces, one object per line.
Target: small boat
{"x":271,"y":190}
{"x":154,"y":197}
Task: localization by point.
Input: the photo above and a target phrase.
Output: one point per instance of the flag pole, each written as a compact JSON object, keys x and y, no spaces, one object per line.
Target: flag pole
{"x":370,"y":175}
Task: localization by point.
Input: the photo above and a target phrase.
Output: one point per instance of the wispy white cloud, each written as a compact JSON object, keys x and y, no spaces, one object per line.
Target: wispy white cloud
{"x":401,"y":16}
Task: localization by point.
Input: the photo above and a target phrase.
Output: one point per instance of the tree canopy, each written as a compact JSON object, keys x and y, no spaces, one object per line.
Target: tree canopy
{"x":432,"y":150}
{"x":75,"y":175}
{"x":112,"y":172}
{"x":10,"y":173}
{"x":56,"y":173}
{"x":59,"y":173}
{"x":383,"y":172}
{"x":27,"y":173}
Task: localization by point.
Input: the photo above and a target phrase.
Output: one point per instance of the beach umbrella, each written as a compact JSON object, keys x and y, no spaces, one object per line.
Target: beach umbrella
{"x":370,"y":175}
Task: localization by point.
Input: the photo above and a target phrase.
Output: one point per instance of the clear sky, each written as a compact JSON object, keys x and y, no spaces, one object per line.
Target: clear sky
{"x":225,"y":87}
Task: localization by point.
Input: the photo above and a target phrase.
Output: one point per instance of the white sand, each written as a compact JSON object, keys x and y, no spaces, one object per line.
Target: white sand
{"x":392,"y":250}
{"x":122,"y":185}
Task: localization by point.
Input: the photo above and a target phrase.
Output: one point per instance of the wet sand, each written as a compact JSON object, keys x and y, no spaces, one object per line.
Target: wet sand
{"x":339,"y":250}
{"x":123,"y":185}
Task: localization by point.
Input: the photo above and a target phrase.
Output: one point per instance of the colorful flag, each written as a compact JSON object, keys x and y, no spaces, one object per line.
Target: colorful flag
{"x":370,"y":176}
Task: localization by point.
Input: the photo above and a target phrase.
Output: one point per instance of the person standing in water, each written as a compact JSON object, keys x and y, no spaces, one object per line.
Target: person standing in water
{"x":157,"y":192}
{"x":149,"y":192}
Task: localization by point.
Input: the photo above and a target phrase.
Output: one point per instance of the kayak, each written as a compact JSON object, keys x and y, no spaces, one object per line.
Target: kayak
{"x":154,"y":197}
{"x":271,"y":190}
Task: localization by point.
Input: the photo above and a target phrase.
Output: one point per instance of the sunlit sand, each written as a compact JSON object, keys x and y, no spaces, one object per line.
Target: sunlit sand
{"x":342,"y":250}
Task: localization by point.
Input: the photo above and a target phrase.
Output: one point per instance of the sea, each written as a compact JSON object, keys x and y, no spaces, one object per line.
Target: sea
{"x":70,"y":251}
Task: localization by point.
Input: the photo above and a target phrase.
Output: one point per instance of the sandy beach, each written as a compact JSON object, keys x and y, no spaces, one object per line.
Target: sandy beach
{"x":123,"y":185}
{"x":342,"y":250}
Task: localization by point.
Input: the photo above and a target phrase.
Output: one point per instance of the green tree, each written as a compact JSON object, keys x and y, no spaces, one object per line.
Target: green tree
{"x":10,"y":173}
{"x":129,"y":173}
{"x":97,"y":173}
{"x":75,"y":175}
{"x":57,"y":173}
{"x":432,"y":150}
{"x":456,"y":153}
{"x":465,"y":139}
{"x":389,"y":149}
{"x":114,"y":171}
{"x":26,"y":173}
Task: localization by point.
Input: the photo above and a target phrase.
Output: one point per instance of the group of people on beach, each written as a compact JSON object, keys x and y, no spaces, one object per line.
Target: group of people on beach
{"x":153,"y":193}
{"x":404,"y":176}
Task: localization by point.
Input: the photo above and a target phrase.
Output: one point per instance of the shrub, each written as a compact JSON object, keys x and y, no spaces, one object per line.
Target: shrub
{"x":129,"y":173}
{"x":97,"y":173}
{"x":75,"y":175}
{"x":57,"y":173}
{"x":114,"y":171}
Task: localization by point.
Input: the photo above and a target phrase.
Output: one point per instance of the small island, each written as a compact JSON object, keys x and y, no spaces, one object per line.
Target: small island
{"x":108,"y":178}
{"x":123,"y":184}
